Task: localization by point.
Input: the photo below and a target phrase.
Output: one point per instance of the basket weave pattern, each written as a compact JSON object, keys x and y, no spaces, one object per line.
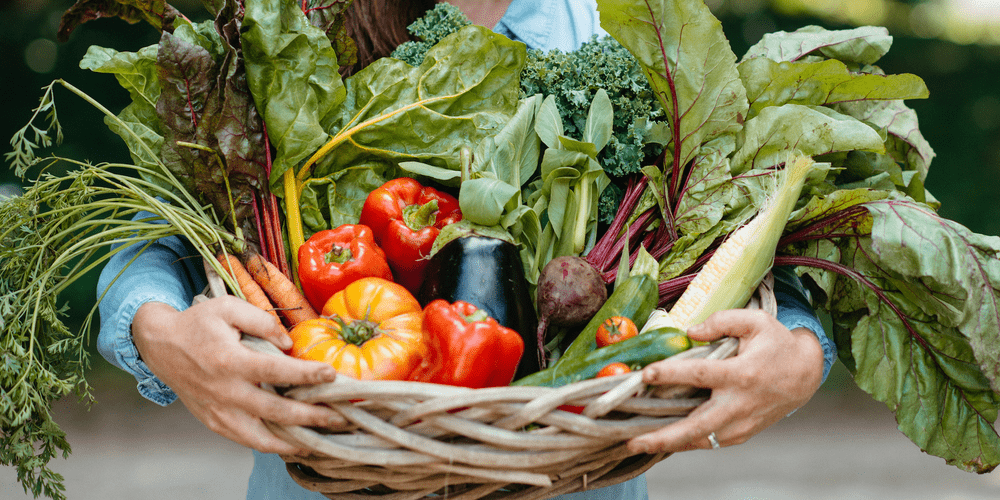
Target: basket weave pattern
{"x":408,"y":440}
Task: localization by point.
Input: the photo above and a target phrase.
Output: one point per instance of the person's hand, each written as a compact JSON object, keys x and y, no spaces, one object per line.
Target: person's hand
{"x":197,"y":353}
{"x":774,"y":372}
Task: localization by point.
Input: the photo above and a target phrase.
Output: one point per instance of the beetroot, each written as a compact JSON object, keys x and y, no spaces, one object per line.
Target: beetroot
{"x":570,"y":291}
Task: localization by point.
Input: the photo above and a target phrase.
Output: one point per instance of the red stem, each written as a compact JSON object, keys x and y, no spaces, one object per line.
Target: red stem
{"x":272,"y":217}
{"x":826,"y":265}
{"x":264,"y":241}
{"x":672,"y":289}
{"x":605,"y":250}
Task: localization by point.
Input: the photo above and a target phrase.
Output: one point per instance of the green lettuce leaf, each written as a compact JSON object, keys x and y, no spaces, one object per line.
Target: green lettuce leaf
{"x":689,"y":63}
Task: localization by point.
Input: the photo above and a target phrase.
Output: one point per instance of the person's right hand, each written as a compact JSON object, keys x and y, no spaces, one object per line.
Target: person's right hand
{"x":197,"y":353}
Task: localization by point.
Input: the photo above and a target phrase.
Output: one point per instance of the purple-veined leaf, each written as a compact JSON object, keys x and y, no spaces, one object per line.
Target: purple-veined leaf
{"x":709,"y":190}
{"x":690,"y":66}
{"x":916,"y":312}
{"x":213,"y":136}
{"x":954,"y":273}
{"x":158,"y":13}
{"x":811,"y":130}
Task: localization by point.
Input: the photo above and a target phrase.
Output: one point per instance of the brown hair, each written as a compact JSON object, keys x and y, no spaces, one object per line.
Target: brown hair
{"x":378,"y":26}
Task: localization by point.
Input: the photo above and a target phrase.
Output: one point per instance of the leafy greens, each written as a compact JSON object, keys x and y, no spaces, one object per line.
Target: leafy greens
{"x":695,"y":133}
{"x":913,"y":296}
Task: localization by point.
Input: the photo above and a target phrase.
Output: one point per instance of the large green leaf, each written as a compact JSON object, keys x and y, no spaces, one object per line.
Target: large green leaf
{"x":906,"y":144}
{"x":772,"y":83}
{"x":916,"y":312}
{"x":292,"y":71}
{"x":465,"y":90}
{"x":812,"y":130}
{"x":955,"y":267}
{"x":863,"y":45}
{"x":690,"y":65}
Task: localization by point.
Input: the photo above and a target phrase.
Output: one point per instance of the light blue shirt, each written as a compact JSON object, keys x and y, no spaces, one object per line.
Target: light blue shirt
{"x":166,"y":273}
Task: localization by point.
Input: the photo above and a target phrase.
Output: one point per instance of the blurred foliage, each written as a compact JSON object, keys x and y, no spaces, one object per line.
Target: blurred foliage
{"x":961,"y":119}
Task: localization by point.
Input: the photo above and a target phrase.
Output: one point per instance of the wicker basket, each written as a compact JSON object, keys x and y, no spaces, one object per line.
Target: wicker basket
{"x":410,"y":440}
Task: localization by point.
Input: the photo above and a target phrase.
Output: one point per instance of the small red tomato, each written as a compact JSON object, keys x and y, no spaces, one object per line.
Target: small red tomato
{"x":614,"y":330}
{"x":616,"y":368}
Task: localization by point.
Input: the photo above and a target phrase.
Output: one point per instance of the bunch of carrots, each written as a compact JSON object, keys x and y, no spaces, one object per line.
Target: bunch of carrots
{"x":265,"y":286}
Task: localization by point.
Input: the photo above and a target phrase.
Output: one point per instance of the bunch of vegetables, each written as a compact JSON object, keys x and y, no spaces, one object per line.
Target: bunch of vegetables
{"x":711,"y":169}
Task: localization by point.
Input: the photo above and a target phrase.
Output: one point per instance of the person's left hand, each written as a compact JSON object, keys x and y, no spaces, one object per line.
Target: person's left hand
{"x":775,"y":372}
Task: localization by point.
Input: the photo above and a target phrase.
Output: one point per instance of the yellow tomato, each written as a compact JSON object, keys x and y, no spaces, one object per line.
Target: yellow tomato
{"x":370,"y":330}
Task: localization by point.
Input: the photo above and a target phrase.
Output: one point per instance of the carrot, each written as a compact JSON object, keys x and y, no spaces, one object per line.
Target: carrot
{"x":286,"y":296}
{"x":251,"y":290}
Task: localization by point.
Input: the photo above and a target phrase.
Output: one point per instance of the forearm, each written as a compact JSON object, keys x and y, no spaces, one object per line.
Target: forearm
{"x":163,"y":272}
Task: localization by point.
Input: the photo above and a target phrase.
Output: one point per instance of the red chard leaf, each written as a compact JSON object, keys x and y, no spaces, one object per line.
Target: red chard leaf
{"x":158,"y":13}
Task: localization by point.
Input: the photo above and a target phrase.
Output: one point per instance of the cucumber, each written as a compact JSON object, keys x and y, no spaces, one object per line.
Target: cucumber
{"x":635,"y":298}
{"x":635,"y":352}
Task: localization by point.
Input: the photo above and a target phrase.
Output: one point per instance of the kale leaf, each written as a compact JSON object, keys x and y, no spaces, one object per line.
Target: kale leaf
{"x":573,"y":78}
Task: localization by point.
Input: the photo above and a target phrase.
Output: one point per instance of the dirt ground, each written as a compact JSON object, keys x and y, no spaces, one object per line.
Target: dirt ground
{"x":842,"y":445}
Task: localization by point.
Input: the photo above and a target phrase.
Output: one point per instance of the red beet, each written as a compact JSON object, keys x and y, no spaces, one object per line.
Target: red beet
{"x":570,"y":291}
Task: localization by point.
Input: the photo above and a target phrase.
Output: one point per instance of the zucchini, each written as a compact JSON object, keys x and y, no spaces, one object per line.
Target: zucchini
{"x":636,"y":352}
{"x":635,"y":298}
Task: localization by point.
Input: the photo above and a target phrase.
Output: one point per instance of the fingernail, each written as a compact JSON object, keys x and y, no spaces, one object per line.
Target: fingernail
{"x":696,"y":329}
{"x":285,"y":343}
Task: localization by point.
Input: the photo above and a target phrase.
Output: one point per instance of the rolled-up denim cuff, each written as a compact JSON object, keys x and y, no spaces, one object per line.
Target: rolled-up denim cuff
{"x":116,"y":344}
{"x":795,"y":310}
{"x":793,"y":319}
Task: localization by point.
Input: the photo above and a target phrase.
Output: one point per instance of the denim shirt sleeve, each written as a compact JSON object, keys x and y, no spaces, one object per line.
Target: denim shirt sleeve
{"x":795,"y":310}
{"x":166,"y":272}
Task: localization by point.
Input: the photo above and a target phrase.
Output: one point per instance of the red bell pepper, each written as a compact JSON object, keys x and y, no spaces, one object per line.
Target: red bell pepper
{"x":466,"y":347}
{"x":332,"y":259}
{"x":406,"y":217}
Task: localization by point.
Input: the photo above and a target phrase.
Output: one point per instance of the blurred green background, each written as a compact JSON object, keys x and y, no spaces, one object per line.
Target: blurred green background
{"x":951,"y":44}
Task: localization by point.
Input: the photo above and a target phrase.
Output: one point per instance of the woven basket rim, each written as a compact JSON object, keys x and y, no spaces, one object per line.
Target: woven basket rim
{"x":408,"y":440}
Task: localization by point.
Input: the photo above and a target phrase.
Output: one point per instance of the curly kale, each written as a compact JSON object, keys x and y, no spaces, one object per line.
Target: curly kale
{"x":439,"y":22}
{"x":574,"y":77}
